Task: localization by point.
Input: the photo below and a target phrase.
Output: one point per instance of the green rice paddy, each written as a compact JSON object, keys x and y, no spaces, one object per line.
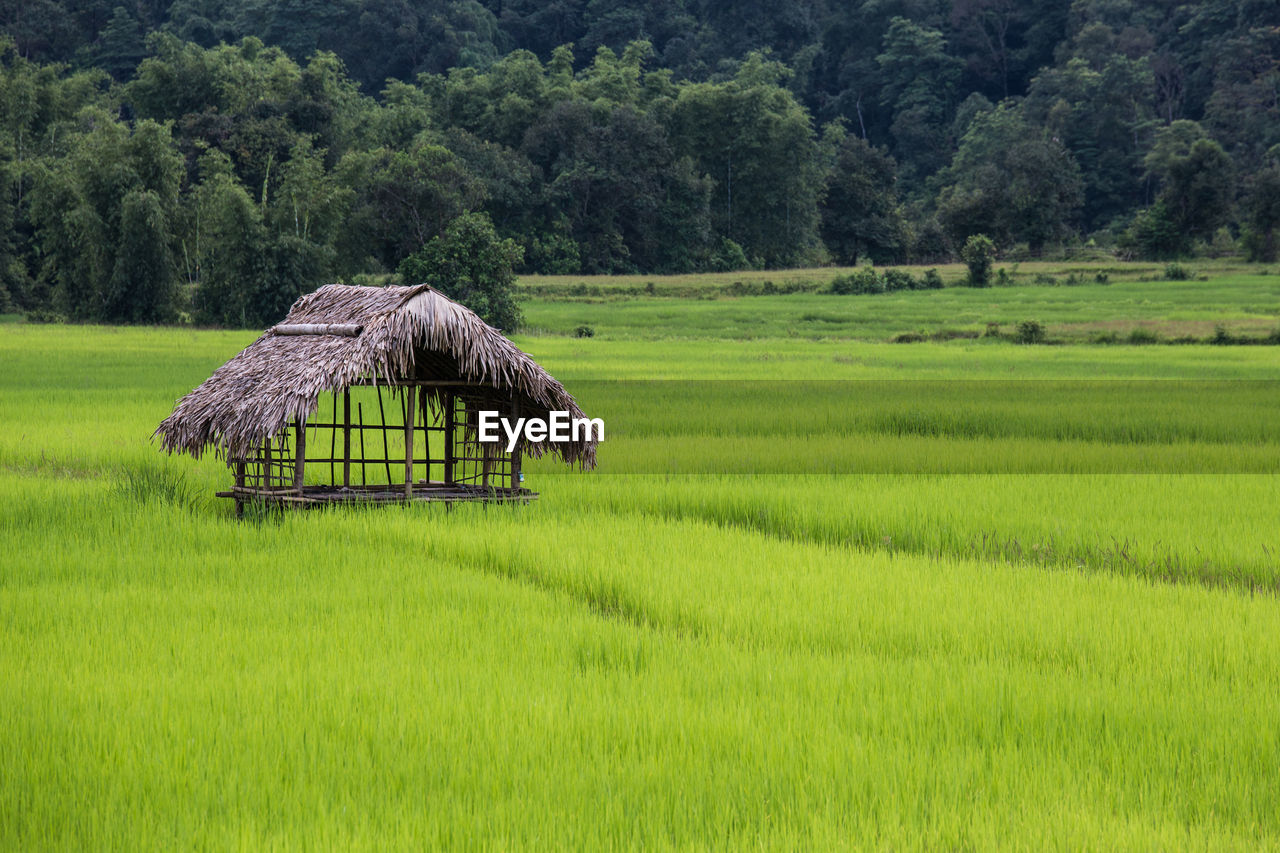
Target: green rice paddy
{"x":822,"y":593}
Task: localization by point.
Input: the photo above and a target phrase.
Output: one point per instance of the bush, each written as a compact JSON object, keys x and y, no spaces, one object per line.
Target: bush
{"x":993,"y":331}
{"x":861,"y":280}
{"x":931,"y":280}
{"x":898,"y":280}
{"x":1003,"y":279}
{"x":1176,"y":272}
{"x":977,"y":254}
{"x":1030,"y":332}
{"x":1143,"y":336}
{"x":584,"y":332}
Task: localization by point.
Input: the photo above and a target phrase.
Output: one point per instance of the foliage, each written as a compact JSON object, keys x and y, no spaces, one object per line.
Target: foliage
{"x":978,"y":254}
{"x":1010,"y":181}
{"x":471,"y":264}
{"x":860,"y":213}
{"x":1030,"y":332}
{"x":673,"y":138}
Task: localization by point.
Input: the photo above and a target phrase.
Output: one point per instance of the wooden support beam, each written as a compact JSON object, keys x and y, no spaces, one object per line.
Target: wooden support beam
{"x":449,"y":406}
{"x":515,"y":453}
{"x":411,"y":404}
{"x":386,"y":449}
{"x":239,"y":485}
{"x":360,"y":415}
{"x":346,"y":438}
{"x":300,"y":453}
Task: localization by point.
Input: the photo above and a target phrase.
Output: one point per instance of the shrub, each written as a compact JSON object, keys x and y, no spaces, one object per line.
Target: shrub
{"x":931,"y":280}
{"x":1102,"y":278}
{"x":1221,"y":337}
{"x":861,"y":280}
{"x":1003,"y":279}
{"x":1176,"y":272}
{"x":977,"y":254}
{"x":993,"y":331}
{"x":1143,"y":336}
{"x":584,"y":332}
{"x":1030,"y":332}
{"x":898,"y":280}
{"x":908,"y":338}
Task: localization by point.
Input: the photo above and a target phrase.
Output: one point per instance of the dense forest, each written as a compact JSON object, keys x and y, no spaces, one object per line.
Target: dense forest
{"x":209,"y":160}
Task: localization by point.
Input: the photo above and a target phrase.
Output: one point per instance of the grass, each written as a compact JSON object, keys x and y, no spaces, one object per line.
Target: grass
{"x":1242,"y":303}
{"x":1034,"y":607}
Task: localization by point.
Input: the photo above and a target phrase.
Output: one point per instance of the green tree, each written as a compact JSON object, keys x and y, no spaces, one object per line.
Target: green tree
{"x":860,"y":213}
{"x":1196,"y":179}
{"x":403,"y":199}
{"x":108,"y":202}
{"x":1261,"y":210}
{"x":120,"y":46}
{"x":1011,"y":180}
{"x":919,"y":87}
{"x":978,"y":254}
{"x":757,"y":145}
{"x":471,"y":264}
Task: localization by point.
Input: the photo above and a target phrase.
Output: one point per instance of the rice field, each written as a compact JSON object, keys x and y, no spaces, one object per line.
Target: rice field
{"x":829,"y":593}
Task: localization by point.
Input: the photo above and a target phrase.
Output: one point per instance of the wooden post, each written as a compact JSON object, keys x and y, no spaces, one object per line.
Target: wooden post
{"x":300,"y":454}
{"x":448,"y":437}
{"x":266,"y":462}
{"x":360,"y":415}
{"x":239,"y":485}
{"x":515,"y":453}
{"x":333,"y":438}
{"x":346,"y":438}
{"x":408,"y":441}
{"x":386,"y":449}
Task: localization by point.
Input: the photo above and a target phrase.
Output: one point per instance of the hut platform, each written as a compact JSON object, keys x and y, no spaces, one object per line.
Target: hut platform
{"x":422,"y":492}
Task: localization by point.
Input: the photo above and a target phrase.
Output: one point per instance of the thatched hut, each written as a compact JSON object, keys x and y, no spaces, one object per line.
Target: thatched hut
{"x":423,"y":365}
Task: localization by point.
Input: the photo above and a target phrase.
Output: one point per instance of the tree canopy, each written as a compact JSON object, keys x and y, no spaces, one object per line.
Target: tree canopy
{"x":212,"y":159}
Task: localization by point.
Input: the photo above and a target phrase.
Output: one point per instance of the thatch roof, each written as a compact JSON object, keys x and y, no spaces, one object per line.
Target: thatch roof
{"x":380,"y":332}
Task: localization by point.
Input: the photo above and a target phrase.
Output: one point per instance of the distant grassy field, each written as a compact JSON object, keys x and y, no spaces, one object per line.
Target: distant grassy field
{"x":1035,"y":606}
{"x":1242,"y":302}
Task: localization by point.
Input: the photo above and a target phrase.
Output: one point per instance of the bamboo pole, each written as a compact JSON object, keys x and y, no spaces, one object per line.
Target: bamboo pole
{"x":449,"y":407}
{"x":300,"y":456}
{"x":333,"y":439}
{"x":239,"y":485}
{"x":386,"y":449}
{"x":515,"y":453}
{"x":360,"y":415}
{"x":408,"y":442}
{"x":346,"y":438}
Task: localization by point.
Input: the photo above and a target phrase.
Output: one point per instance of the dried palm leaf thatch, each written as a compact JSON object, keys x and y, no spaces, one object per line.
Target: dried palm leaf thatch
{"x":406,"y":333}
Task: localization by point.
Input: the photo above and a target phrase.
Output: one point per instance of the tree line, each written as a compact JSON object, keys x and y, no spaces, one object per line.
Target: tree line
{"x":213,"y":159}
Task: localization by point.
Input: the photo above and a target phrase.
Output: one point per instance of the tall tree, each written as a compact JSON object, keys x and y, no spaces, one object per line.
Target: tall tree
{"x":1011,"y":181}
{"x":920,"y":80}
{"x":757,"y":145}
{"x":860,"y":213}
